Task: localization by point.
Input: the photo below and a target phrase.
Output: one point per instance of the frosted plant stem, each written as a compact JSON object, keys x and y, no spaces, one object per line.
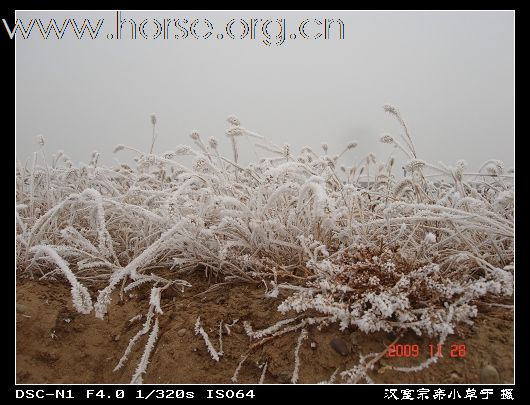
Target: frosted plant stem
{"x":144,"y":361}
{"x":301,"y":338}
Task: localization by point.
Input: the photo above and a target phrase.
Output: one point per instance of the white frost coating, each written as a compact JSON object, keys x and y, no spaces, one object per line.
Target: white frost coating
{"x":238,"y":368}
{"x":154,"y":299}
{"x":144,"y":361}
{"x":80,"y":295}
{"x":200,"y":331}
{"x":135,"y":338}
{"x":430,"y":238}
{"x":263,"y":372}
{"x":268,"y":331}
{"x":301,"y":338}
{"x":104,"y":297}
{"x":104,"y":239}
{"x":353,"y":240}
{"x":135,"y":318}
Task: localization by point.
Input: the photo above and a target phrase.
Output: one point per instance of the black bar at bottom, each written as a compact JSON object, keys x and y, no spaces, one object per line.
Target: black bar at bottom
{"x":268,"y":392}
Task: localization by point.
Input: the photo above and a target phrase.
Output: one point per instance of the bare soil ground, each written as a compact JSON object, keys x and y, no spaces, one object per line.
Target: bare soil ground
{"x":55,"y":344}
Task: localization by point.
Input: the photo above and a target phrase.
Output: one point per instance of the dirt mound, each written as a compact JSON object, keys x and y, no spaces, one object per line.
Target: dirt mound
{"x":55,"y":344}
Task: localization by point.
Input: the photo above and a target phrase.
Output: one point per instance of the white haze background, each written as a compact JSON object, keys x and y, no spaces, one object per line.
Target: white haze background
{"x":450,"y":73}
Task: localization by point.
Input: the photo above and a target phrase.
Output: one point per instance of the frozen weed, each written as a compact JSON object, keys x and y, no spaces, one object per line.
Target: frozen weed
{"x":357,"y":245}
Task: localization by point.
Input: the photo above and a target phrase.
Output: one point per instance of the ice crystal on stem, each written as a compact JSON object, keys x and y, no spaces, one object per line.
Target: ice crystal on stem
{"x":200,"y":331}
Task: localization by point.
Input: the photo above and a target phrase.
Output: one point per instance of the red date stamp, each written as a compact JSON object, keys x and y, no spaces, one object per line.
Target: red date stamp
{"x":414,"y":350}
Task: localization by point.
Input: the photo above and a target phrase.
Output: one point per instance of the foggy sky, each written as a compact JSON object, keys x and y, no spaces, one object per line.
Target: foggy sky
{"x":450,"y":73}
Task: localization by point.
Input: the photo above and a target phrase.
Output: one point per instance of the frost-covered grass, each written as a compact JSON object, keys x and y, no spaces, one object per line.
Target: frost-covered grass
{"x":358,"y":246}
